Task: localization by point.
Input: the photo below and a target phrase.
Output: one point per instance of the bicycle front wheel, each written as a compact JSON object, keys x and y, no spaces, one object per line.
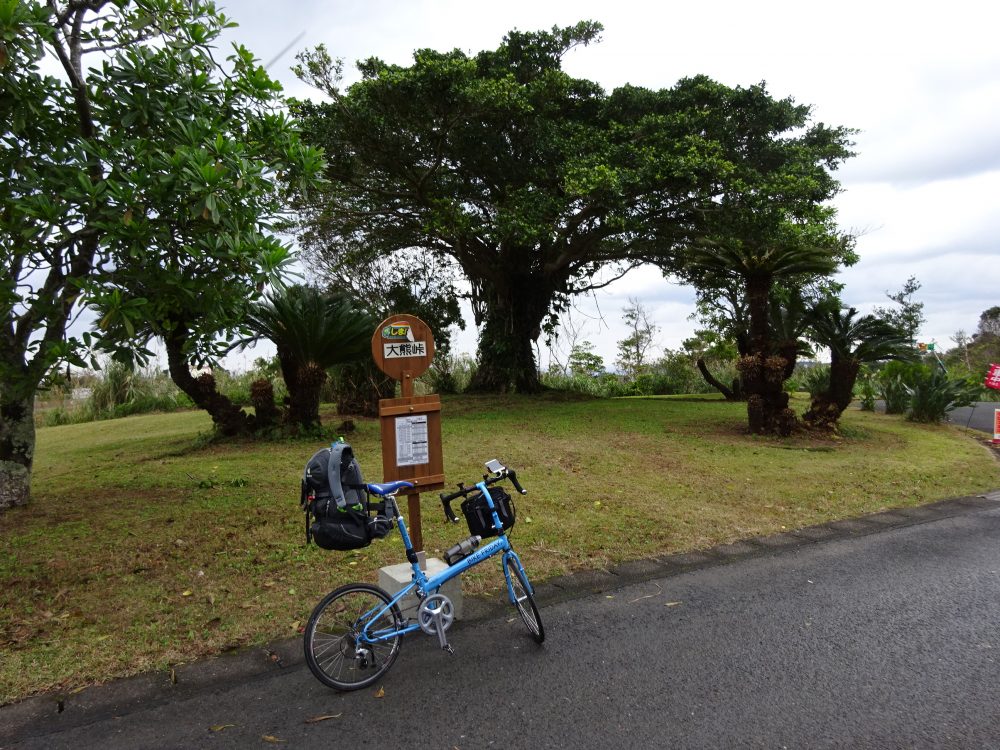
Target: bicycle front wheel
{"x":523,"y":600}
{"x":335,"y":652}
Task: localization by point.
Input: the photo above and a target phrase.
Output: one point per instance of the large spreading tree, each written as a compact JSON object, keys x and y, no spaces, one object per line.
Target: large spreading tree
{"x":142,"y":178}
{"x":537,"y":184}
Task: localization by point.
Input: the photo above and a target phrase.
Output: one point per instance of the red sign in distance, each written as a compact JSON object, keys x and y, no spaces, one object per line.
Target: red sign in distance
{"x":993,"y":378}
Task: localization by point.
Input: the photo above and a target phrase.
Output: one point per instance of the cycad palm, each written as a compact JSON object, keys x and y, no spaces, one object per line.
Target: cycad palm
{"x":852,"y":341}
{"x":311,"y":331}
{"x":759,"y":266}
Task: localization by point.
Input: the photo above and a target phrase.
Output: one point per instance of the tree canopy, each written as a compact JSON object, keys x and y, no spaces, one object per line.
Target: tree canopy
{"x":144,"y":180}
{"x":540,"y":185}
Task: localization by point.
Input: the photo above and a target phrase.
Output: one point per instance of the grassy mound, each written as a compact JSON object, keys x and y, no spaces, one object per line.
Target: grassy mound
{"x":146,"y":544}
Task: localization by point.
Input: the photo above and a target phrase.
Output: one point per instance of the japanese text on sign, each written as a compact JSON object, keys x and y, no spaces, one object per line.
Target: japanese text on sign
{"x":405,"y":349}
{"x":411,"y":441}
{"x":993,"y":377}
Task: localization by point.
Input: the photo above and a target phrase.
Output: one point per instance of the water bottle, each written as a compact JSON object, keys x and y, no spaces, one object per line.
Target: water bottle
{"x":462,"y":549}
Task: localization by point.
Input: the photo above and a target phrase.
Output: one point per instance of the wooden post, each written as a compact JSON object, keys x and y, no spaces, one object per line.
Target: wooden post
{"x":403,"y":348}
{"x":412,"y":501}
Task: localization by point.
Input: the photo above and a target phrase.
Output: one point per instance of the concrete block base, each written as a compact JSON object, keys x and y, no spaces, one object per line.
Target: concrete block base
{"x":393,"y":577}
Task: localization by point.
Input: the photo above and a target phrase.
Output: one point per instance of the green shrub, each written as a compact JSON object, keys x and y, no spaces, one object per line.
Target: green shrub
{"x":450,"y":373}
{"x":866,"y":389}
{"x":933,"y":394}
{"x":895,"y":380}
{"x":815,"y":380}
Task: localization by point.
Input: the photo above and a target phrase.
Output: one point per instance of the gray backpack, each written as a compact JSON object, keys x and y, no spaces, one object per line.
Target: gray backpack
{"x":335,"y":501}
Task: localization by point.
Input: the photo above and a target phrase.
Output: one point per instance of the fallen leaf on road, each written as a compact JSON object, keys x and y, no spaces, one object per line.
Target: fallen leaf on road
{"x":186,"y":593}
{"x":318,"y":719}
{"x":671,"y":604}
{"x":220,"y":727}
{"x":270,"y":738}
{"x":647,"y":596}
{"x":380,"y":693}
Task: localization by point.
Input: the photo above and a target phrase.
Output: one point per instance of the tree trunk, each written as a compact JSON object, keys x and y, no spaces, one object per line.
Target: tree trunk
{"x":17,"y":449}
{"x":266,"y":414}
{"x":763,"y":371}
{"x":731,"y":394}
{"x":513,"y":321}
{"x":826,"y":408}
{"x":303,"y":395}
{"x":228,"y":418}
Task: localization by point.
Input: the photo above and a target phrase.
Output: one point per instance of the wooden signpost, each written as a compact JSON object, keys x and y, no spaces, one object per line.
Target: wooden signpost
{"x":403,"y":348}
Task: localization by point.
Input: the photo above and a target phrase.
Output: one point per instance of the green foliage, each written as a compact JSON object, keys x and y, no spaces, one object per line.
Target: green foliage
{"x":308,"y":326}
{"x":121,"y":390}
{"x":816,"y":380}
{"x":867,"y":389}
{"x":144,"y":179}
{"x":450,"y":373}
{"x":312,"y":332}
{"x":866,"y":339}
{"x":533,"y":181}
{"x":909,"y":316}
{"x":894,"y":382}
{"x":583,"y":360}
{"x":673,"y":374}
{"x":933,"y":394}
{"x":237,"y":386}
{"x":634,"y":349}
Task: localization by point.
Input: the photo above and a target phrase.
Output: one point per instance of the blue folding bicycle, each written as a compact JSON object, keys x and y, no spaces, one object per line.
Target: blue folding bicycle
{"x":354,"y":634}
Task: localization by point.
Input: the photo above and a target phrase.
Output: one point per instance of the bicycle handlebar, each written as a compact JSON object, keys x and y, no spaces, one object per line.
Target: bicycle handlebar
{"x":464,"y":491}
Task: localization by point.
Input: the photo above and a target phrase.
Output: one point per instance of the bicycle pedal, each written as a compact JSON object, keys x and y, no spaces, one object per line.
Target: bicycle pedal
{"x":448,"y":649}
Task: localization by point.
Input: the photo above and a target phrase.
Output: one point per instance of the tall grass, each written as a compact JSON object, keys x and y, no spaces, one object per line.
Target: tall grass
{"x":119,"y":390}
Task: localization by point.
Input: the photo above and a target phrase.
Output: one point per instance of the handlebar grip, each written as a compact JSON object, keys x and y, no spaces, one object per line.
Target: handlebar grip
{"x":446,"y":502}
{"x":513,"y":480}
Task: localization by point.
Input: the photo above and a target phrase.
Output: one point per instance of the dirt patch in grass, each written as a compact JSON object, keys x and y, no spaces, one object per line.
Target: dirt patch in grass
{"x":147,"y":543}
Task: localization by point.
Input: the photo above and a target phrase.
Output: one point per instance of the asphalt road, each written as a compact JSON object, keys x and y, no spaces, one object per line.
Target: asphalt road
{"x":979,"y":416}
{"x":888,"y":640}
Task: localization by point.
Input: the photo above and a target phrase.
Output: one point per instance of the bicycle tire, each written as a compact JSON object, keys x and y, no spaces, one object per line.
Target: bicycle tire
{"x":524,"y":601}
{"x":330,"y":639}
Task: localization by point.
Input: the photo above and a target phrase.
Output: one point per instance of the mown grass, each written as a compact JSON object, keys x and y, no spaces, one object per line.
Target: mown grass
{"x":146,"y":544}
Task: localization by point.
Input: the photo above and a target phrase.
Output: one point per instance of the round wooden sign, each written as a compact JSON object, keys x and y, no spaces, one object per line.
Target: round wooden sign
{"x":403,"y":344}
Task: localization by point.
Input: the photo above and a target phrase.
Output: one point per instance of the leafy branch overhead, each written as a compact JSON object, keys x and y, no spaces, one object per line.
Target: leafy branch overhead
{"x":146,"y":179}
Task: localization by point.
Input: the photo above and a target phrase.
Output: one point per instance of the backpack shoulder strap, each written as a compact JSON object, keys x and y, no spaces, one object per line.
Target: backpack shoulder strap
{"x":339,"y":452}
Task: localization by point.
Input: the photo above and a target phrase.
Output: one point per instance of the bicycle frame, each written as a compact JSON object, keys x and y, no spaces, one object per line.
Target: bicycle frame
{"x":425,"y":585}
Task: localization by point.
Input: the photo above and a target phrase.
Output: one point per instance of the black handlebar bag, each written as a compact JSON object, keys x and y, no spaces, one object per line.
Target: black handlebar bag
{"x":476,"y":509}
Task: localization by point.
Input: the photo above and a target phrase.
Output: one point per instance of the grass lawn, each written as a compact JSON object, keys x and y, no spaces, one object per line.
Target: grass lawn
{"x":147,"y":545}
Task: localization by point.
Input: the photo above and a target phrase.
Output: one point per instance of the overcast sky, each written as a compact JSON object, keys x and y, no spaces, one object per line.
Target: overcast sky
{"x":920,"y":82}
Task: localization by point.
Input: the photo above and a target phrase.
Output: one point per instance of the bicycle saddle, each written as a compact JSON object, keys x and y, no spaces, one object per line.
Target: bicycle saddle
{"x":387,"y":488}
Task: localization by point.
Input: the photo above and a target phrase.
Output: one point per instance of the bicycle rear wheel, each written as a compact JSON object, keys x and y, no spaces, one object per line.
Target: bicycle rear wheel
{"x":334,"y":652}
{"x":523,"y":600}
